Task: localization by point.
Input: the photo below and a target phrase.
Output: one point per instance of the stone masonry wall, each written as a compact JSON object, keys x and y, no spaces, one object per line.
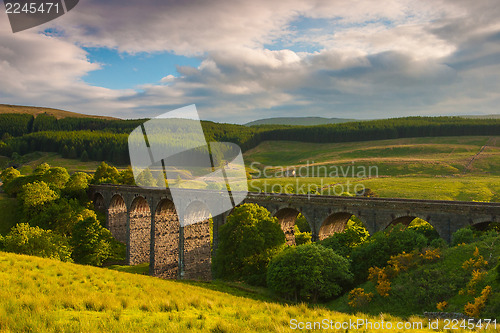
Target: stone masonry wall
{"x":117,"y":219}
{"x":166,"y":244}
{"x":140,"y":232}
{"x":197,"y":260}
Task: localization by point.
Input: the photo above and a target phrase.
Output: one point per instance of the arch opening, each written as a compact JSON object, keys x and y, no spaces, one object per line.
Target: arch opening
{"x":486,"y":226}
{"x":165,"y":262}
{"x":288,"y":219}
{"x":140,"y":231}
{"x":418,"y":224}
{"x":117,"y":218}
{"x":99,"y":204}
{"x":334,"y":223}
{"x":198,"y":236}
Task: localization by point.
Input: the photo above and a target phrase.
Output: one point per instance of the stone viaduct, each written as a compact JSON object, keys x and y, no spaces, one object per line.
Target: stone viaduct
{"x":146,"y":221}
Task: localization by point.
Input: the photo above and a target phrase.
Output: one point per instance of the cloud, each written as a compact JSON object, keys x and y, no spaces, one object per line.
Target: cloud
{"x":259,"y":58}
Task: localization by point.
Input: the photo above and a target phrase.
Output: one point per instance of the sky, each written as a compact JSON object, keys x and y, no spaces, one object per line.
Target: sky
{"x":241,"y":60}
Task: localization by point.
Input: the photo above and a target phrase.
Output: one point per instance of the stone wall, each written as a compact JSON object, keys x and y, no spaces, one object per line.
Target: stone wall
{"x":197,"y":261}
{"x":165,"y":259}
{"x":117,"y":219}
{"x":140,"y":232}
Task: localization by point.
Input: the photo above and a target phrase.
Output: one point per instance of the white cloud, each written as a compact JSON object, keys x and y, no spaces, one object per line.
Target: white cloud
{"x":373,"y":59}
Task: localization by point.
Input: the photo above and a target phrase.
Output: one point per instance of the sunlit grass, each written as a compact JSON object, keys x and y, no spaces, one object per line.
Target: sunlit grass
{"x":412,"y":156}
{"x":439,"y":188}
{"x":42,"y":295}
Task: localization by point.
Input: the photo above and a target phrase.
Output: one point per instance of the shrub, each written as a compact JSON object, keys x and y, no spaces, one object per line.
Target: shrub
{"x":343,"y":242}
{"x":247,"y":243}
{"x":498,"y":270}
{"x":35,"y":241}
{"x":308,"y":272}
{"x":474,"y":309}
{"x":359,"y":298}
{"x":464,"y":235}
{"x":438,"y":243}
{"x":302,"y":223}
{"x":425,"y":229}
{"x":381,"y":246}
{"x":442,"y":305}
{"x":302,"y":237}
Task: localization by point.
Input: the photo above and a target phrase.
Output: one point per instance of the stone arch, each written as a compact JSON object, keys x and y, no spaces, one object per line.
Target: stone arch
{"x":197,"y":245}
{"x":139,"y":231}
{"x":485,"y":224}
{"x":165,"y":260}
{"x":99,"y":203}
{"x":286,"y":217}
{"x":117,"y":218}
{"x":407,"y":219}
{"x":334,"y":223}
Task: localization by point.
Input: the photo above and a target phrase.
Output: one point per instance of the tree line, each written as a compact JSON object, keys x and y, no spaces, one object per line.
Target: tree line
{"x":102,"y":139}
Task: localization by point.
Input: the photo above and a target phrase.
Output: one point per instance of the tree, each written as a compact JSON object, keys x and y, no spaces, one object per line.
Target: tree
{"x":77,"y":185}
{"x":247,"y":243}
{"x":127,"y":177}
{"x":308,"y":272}
{"x":145,"y":178}
{"x":464,"y":235}
{"x":41,"y":169}
{"x":9,"y":175}
{"x":84,"y":157}
{"x":61,"y":216}
{"x":106,"y":174}
{"x":92,"y":244}
{"x":55,"y":177}
{"x":36,"y":195}
{"x":35,"y":241}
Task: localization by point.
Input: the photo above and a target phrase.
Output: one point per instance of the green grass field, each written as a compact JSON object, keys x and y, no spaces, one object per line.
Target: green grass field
{"x":43,"y":295}
{"x":444,"y":156}
{"x":440,"y":188}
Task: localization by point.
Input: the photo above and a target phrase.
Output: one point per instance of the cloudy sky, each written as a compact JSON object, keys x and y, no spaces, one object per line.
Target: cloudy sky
{"x":243,"y":60}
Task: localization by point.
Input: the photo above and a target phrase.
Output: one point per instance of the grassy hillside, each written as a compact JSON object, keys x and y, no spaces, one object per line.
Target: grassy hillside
{"x":33,"y":110}
{"x":298,"y":121}
{"x":444,"y":156}
{"x":44,"y":295}
{"x":419,"y":289}
{"x":440,"y":188}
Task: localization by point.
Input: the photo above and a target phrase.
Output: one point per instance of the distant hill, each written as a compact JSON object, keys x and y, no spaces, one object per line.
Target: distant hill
{"x":487,"y":116}
{"x":34,"y":110}
{"x":299,"y":121}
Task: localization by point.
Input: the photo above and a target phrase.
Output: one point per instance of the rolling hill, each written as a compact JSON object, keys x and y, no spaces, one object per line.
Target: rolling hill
{"x":299,"y":121}
{"x":44,"y":295}
{"x":34,"y":110}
